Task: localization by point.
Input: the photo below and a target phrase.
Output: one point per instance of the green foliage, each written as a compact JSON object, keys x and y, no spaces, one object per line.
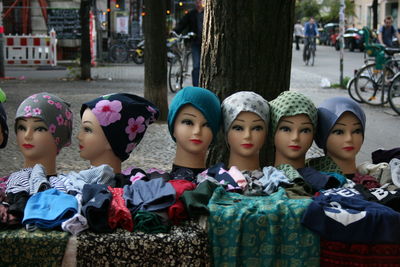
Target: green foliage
{"x":333,"y":8}
{"x":327,"y":11}
{"x":343,"y":85}
{"x":305,"y":9}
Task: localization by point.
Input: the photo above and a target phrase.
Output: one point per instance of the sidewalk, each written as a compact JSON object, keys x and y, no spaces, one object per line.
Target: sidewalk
{"x":157,"y":148}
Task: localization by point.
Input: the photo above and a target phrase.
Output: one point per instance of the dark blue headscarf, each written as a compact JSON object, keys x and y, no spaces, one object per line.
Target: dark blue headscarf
{"x":330,"y":111}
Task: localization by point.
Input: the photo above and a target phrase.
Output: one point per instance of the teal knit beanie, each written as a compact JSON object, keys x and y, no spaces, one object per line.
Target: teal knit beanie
{"x":202,"y":99}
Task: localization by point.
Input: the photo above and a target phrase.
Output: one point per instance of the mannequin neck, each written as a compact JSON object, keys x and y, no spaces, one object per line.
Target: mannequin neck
{"x":48,"y":164}
{"x":347,"y":166}
{"x":108,"y":158}
{"x":248,"y":163}
{"x":189,"y":160}
{"x":295,"y":163}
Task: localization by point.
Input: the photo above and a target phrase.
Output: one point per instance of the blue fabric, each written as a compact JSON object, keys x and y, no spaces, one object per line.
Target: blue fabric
{"x":310,"y":30}
{"x":342,"y":215}
{"x":196,"y":49}
{"x":48,"y":209}
{"x":329,"y":113}
{"x":152,"y":195}
{"x":318,"y":180}
{"x":341,"y":179}
{"x":272,"y":179}
{"x":122,"y":118}
{"x":202,"y":99}
{"x":4,"y":127}
{"x":96,"y":200}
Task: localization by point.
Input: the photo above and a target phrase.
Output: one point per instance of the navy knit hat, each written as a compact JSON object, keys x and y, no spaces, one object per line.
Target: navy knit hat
{"x":4,"y":127}
{"x":330,"y":111}
{"x":124,"y":119}
{"x":202,"y":99}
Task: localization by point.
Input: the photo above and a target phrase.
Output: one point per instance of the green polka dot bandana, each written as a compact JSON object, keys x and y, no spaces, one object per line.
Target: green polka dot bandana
{"x":291,"y":103}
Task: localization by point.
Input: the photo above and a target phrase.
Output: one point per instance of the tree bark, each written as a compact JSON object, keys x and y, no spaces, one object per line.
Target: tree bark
{"x":247,"y":46}
{"x":155,"y":63}
{"x":85,"y":40}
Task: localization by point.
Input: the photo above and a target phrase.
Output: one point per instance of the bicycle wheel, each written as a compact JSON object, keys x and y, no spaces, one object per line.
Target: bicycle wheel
{"x":187,"y":66}
{"x":138,"y":56}
{"x":118,"y":53}
{"x":312,"y":55}
{"x":175,"y":74}
{"x":351,"y":88}
{"x":394,"y":94}
{"x":307,"y":56}
{"x":371,"y":90}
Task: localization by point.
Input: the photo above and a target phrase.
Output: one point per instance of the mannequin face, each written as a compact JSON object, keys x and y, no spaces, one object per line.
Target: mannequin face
{"x":247,"y":134}
{"x":34,"y":139}
{"x":294,"y":136}
{"x":191,"y":131}
{"x":345,"y":138}
{"x":92,"y":140}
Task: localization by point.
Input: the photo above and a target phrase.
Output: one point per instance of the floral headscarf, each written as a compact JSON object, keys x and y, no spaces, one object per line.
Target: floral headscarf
{"x":243,"y":101}
{"x":291,"y":103}
{"x":124,"y":119}
{"x":55,"y":113}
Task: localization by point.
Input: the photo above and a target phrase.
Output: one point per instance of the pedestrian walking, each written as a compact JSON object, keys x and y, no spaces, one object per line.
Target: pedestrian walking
{"x":193,"y":22}
{"x":298,"y":33}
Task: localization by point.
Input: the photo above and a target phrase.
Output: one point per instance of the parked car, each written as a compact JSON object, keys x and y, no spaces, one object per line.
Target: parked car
{"x":325,"y":36}
{"x":353,"y":39}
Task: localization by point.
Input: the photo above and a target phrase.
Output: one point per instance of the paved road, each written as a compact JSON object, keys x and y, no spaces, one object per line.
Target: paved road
{"x":157,"y":149}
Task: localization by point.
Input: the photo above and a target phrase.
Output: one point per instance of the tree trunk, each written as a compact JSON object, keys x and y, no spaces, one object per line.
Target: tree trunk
{"x":155,"y":56}
{"x":247,"y":46}
{"x":85,"y":40}
{"x":375,"y":14}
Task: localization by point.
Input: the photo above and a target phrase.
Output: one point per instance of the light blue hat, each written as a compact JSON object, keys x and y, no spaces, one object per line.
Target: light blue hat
{"x":330,"y":111}
{"x":48,"y":209}
{"x":202,"y":99}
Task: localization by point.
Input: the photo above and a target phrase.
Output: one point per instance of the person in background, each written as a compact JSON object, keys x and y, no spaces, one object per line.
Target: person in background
{"x":298,"y":33}
{"x":310,"y":32}
{"x":387,"y":32}
{"x":193,"y":22}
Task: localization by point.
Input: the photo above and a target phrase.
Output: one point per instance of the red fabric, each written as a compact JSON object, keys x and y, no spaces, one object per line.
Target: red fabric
{"x":366,"y":180}
{"x":118,"y":214}
{"x":343,"y":254}
{"x":177,"y":212}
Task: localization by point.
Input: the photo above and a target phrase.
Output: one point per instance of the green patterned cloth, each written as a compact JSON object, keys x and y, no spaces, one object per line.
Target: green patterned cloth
{"x":323,"y":164}
{"x":291,"y":103}
{"x":38,"y":248}
{"x":291,"y":173}
{"x":260,"y":231}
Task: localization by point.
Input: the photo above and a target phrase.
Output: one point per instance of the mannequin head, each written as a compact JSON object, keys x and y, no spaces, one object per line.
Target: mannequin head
{"x":193,"y":121}
{"x":43,"y":125}
{"x":293,"y":123}
{"x":341,"y":131}
{"x":3,"y":127}
{"x":112,"y":126}
{"x":246,"y":118}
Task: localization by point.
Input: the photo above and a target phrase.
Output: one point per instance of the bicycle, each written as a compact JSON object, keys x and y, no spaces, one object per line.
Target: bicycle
{"x":373,"y":80}
{"x":179,"y":59}
{"x":127,"y":48}
{"x":309,"y":54}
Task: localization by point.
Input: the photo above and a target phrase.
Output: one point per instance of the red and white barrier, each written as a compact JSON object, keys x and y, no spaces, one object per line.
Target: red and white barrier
{"x":31,"y":49}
